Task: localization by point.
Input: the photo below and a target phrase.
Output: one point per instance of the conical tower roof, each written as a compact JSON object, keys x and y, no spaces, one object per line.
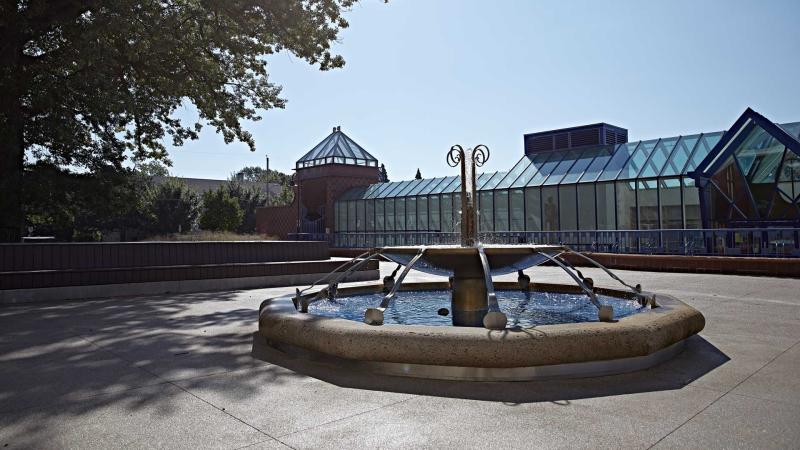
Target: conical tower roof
{"x":337,"y":148}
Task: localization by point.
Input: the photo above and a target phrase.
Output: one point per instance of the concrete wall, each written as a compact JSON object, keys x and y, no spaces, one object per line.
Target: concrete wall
{"x":60,"y":256}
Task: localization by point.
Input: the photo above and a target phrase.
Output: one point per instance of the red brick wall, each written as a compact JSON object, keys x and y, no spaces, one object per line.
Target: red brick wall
{"x":317,"y":187}
{"x":277,"y":220}
{"x":322,"y":185}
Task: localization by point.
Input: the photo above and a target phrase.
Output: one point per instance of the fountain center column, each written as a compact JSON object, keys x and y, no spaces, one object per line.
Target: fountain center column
{"x":469,"y":302}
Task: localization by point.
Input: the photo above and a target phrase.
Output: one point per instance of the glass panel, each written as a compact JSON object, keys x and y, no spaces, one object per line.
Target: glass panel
{"x":584,"y":160}
{"x":447,"y":213}
{"x":431,"y":186}
{"x":379,"y":215}
{"x":702,"y":149}
{"x":730,"y":198}
{"x":442,"y":187}
{"x":351,"y":216}
{"x":454,"y":187}
{"x":669,"y":192}
{"x":680,"y":155}
{"x":498,"y":176}
{"x":517,"y":210}
{"x":759,"y":157}
{"x":411,"y":213}
{"x":550,"y":208}
{"x":341,"y":217}
{"x":482,"y":179}
{"x":546,"y":169}
{"x":789,"y":180}
{"x":378,"y":189}
{"x":501,"y":210}
{"x":435,"y":217}
{"x":485,"y":213}
{"x":396,"y":187}
{"x":419,"y":187}
{"x":596,"y":167}
{"x":422,"y":214}
{"x":408,"y":188}
{"x":606,"y":207}
{"x":360,"y":216}
{"x":636,"y":162}
{"x":792,"y":129}
{"x":533,"y":209}
{"x":533,"y":168}
{"x":618,"y":161}
{"x":691,"y":204}
{"x":568,"y":207}
{"x":658,"y":158}
{"x":371,"y":190}
{"x":647,"y":196}
{"x":400,"y":213}
{"x":784,"y":205}
{"x":626,"y":205}
{"x":586,"y":207}
{"x":561,"y":169}
{"x":515,"y":172}
{"x":390,"y":216}
{"x":370,"y":211}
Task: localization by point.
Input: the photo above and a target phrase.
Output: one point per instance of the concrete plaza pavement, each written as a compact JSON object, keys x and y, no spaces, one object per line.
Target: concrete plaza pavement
{"x":187,"y":370}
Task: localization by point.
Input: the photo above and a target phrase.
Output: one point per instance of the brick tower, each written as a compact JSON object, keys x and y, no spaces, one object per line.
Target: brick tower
{"x":333,"y":166}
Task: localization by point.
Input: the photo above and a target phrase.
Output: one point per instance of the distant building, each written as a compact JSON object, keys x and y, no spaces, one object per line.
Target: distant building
{"x":585,"y":186}
{"x":200,"y":185}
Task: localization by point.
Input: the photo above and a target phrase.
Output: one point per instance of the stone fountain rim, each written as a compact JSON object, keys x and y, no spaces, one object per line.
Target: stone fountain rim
{"x":583,"y":349}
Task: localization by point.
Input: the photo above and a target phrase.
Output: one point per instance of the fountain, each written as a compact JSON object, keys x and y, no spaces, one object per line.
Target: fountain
{"x":646,"y":330}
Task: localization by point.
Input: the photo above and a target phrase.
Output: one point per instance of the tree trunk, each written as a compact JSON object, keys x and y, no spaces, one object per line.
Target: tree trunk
{"x":12,"y":146}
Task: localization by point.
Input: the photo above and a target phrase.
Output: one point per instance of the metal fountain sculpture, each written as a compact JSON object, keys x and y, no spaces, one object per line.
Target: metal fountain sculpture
{"x":472,"y":264}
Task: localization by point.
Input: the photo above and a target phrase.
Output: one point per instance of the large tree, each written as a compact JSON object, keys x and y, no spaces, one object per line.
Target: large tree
{"x":91,"y":83}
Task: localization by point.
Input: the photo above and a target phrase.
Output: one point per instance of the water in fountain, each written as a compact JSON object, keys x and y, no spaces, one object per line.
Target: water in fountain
{"x":524,"y":309}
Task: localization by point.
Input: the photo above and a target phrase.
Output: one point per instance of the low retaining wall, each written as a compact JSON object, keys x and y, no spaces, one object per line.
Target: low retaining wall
{"x":61,"y":256}
{"x":194,"y":279}
{"x":733,"y":265}
{"x":49,"y":272}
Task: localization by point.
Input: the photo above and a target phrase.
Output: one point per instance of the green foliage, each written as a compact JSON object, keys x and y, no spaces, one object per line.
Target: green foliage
{"x":255,"y":174}
{"x":418,"y":176}
{"x":173,"y":207}
{"x":221,"y":212}
{"x":152,"y":169}
{"x":105,"y":77}
{"x":249,"y":198}
{"x":89,"y":84}
{"x":80,"y":206}
{"x":383,"y":177}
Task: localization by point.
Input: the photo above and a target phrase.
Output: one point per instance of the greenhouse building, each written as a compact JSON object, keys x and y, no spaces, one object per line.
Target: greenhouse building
{"x":732,"y":192}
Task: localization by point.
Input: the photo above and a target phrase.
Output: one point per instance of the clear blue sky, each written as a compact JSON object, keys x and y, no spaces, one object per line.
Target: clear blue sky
{"x":424,"y":75}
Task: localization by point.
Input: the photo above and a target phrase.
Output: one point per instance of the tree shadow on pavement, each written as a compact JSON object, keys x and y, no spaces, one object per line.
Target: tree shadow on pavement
{"x":69,"y":362}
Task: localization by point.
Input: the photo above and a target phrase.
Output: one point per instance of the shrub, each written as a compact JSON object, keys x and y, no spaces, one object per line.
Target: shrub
{"x":173,"y":207}
{"x":221,"y":212}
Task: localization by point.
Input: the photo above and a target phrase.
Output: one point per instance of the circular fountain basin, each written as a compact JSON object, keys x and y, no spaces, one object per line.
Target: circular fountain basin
{"x":635,"y":341}
{"x":523,"y":309}
{"x":447,"y":259}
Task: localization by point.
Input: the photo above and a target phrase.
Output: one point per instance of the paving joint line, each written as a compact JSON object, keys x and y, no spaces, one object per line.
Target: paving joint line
{"x":182,"y":389}
{"x":724,"y":394}
{"x":348,"y":417}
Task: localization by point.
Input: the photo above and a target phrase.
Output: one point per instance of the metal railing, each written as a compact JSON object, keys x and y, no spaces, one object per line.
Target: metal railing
{"x":772,"y":242}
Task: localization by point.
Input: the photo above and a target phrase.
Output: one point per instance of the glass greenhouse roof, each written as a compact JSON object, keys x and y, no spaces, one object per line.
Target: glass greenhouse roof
{"x":337,"y":148}
{"x":641,"y":160}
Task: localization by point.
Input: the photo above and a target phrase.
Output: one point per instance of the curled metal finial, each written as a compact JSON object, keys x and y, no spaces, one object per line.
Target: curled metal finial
{"x":480,"y":155}
{"x":455,"y":155}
